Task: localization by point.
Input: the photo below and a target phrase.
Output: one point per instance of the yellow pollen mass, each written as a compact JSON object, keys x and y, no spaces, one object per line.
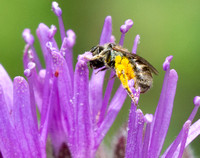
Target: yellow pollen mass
{"x":124,"y":71}
{"x":118,"y":59}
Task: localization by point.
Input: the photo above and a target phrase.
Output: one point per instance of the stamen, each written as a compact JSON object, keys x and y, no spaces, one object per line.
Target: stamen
{"x":43,"y":36}
{"x":71,"y":38}
{"x":124,"y":29}
{"x":42,"y":74}
{"x":29,"y":39}
{"x":49,"y":45}
{"x":27,"y":72}
{"x":196,"y":102}
{"x":31,"y":65}
{"x":25,"y":56}
{"x":66,"y":50}
{"x":31,"y":75}
{"x":166,"y":64}
{"x":136,"y":42}
{"x":57,"y":10}
{"x":52,"y":31}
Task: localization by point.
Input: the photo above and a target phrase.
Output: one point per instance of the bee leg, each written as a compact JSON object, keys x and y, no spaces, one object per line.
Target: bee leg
{"x":104,"y":68}
{"x":96,"y":57}
{"x":113,"y":76}
{"x":104,"y":52}
{"x":132,"y":97}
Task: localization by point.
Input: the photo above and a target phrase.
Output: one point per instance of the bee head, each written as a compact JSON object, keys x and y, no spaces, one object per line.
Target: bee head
{"x":96,"y":50}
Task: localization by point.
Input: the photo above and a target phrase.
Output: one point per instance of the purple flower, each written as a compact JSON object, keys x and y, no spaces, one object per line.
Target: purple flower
{"x":74,"y":113}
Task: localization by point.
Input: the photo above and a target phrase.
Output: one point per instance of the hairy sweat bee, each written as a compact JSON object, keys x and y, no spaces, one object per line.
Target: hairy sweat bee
{"x":127,"y":66}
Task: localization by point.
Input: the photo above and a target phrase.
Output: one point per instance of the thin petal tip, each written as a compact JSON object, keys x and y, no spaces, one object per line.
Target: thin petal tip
{"x":140,"y":115}
{"x":85,"y":57}
{"x":148,"y":118}
{"x":28,"y":37}
{"x":20,"y":84}
{"x":173,"y":74}
{"x":196,"y":101}
{"x":126,"y":26}
{"x":27,"y":72}
{"x":71,"y":38}
{"x":56,"y":9}
{"x":108,"y":18}
{"x":166,"y":64}
{"x":52,"y":31}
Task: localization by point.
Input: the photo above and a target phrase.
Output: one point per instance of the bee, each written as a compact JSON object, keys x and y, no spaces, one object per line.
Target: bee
{"x":127,"y":66}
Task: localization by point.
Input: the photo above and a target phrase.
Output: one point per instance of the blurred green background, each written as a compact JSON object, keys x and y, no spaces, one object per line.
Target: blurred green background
{"x":166,"y":28}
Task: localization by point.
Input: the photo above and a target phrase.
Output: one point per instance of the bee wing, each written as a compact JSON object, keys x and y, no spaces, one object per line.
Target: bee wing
{"x":153,"y":69}
{"x":134,"y":56}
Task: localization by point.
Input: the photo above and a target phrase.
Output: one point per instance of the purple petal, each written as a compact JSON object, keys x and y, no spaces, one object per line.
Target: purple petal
{"x":96,"y":82}
{"x":43,"y":33}
{"x":7,"y":87}
{"x":162,"y":95}
{"x":136,"y":42}
{"x":106,"y":31}
{"x":106,"y":97}
{"x":140,"y":125}
{"x":66,"y":50}
{"x":114,"y":108}
{"x":84,"y":127}
{"x":57,"y":10}
{"x":163,"y":114}
{"x":9,"y":143}
{"x":47,"y":79}
{"x":65,"y":92}
{"x":171,"y":149}
{"x":53,"y":121}
{"x":24,"y":119}
{"x":96,"y":92}
{"x":145,"y":148}
{"x":132,"y":132}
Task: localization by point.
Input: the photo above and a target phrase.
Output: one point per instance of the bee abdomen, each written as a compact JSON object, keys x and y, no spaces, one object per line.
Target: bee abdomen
{"x":144,"y":80}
